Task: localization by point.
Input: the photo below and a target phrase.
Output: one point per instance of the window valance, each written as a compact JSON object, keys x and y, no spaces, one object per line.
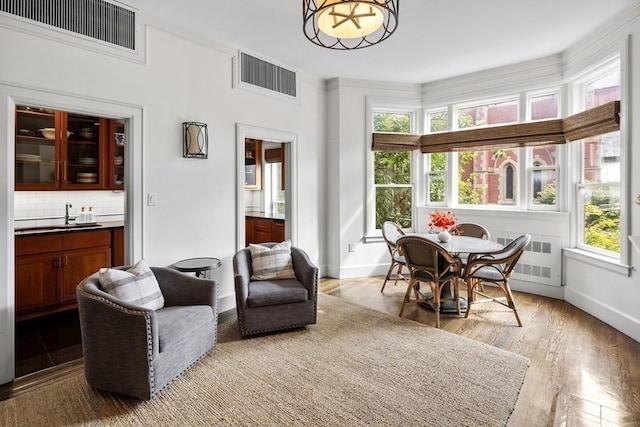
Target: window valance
{"x":593,"y":122}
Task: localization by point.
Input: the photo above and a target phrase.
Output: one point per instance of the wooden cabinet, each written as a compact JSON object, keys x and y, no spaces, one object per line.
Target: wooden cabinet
{"x":116,"y":154}
{"x":49,"y":267}
{"x":262,"y":230}
{"x":252,"y":164}
{"x":56,"y":150}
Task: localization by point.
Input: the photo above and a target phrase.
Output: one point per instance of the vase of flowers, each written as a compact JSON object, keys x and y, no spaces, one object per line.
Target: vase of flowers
{"x":442,"y":223}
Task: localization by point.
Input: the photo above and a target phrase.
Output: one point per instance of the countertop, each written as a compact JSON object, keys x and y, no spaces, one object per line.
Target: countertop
{"x":265,"y":215}
{"x":61,"y":228}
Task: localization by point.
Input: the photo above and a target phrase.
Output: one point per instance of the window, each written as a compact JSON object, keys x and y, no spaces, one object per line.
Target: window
{"x":392,"y":174}
{"x":598,"y":189}
{"x":436,"y":163}
{"x":543,"y":161}
{"x":482,"y":174}
{"x":496,"y":177}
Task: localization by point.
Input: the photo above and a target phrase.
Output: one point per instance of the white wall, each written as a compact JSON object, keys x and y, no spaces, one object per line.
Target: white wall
{"x":181,"y":78}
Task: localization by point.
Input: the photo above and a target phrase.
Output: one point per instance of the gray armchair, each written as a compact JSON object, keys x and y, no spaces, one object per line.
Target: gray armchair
{"x":136,"y":351}
{"x":272,"y":305}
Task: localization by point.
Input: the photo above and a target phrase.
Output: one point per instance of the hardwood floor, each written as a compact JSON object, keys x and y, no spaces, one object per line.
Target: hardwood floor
{"x":582,"y":373}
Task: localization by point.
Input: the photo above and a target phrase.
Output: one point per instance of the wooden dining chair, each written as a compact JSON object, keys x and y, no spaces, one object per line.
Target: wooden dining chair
{"x":471,"y":229}
{"x":430,"y":263}
{"x":496,"y":269}
{"x":391,"y":232}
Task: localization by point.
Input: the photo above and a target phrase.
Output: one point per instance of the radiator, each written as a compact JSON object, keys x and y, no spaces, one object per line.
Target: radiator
{"x":541,"y":261}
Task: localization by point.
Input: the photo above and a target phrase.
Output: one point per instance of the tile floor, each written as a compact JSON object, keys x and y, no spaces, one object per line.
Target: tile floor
{"x":47,"y":341}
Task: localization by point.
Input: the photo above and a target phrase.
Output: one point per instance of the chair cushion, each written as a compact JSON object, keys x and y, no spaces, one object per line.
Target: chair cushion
{"x":272,"y":263}
{"x":179,"y":325}
{"x":276,"y":292}
{"x":488,"y":273}
{"x":137,"y":285}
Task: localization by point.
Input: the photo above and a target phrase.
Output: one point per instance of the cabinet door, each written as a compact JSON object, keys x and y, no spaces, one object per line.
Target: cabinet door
{"x":79,"y":264}
{"x":116,"y":157}
{"x":37,"y":279}
{"x":252,"y":164}
{"x":83,"y":151}
{"x":248,"y":231}
{"x":277,"y":231}
{"x":37,"y":145}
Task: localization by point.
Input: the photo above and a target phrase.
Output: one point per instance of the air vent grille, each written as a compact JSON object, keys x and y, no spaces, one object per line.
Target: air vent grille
{"x":258,"y":72}
{"x":97,"y":19}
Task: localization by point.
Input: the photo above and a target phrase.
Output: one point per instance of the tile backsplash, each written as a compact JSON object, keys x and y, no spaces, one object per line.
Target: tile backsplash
{"x":39,"y":208}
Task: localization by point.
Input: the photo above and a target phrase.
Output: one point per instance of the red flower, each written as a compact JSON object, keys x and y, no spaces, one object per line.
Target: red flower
{"x":442,"y":221}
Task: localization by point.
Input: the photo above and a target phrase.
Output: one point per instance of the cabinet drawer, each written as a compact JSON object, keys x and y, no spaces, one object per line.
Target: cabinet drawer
{"x":263,"y":225}
{"x":86,"y":239}
{"x":38,"y":244}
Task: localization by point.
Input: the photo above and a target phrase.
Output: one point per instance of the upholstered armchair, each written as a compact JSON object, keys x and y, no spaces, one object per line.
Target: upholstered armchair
{"x":275,"y":304}
{"x":138,"y":351}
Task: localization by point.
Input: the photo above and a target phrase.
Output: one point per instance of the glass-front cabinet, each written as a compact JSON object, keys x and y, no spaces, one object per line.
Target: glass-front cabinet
{"x":59,"y":150}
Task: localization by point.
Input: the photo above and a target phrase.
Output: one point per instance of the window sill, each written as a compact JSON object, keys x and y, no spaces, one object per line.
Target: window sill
{"x":599,"y":261}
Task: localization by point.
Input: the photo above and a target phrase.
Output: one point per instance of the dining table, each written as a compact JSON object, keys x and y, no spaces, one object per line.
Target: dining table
{"x":460,"y":246}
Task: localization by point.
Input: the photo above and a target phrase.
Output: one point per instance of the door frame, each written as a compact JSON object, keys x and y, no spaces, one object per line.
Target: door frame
{"x":290,"y":141}
{"x":15,"y":95}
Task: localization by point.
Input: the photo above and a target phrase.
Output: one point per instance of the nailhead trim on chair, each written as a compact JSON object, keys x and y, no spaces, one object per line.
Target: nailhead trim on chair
{"x":153,"y":391}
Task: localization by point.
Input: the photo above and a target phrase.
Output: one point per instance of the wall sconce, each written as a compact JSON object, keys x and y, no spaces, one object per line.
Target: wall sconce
{"x":196,"y":140}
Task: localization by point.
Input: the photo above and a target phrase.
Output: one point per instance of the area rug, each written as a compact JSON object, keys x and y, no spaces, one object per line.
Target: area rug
{"x":355,"y":367}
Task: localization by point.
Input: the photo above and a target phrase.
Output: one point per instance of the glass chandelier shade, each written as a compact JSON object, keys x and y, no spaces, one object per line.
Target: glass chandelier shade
{"x":348,"y":24}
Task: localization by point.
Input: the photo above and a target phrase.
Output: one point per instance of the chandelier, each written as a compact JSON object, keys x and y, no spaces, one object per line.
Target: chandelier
{"x":348,"y":24}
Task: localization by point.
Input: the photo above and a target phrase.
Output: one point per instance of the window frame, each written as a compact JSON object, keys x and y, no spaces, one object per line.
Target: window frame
{"x":523,"y":175}
{"x":577,"y":87}
{"x":385,"y":105}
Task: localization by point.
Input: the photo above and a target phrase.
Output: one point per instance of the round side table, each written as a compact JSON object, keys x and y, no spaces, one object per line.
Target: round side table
{"x":201,"y":266}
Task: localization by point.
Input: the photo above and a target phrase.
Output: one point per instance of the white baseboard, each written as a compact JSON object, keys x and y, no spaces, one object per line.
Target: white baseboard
{"x":622,"y":322}
{"x":550,"y":291}
{"x":226,"y":302}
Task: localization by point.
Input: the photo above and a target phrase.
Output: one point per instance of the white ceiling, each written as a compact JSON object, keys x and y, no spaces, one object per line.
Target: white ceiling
{"x":435,"y":39}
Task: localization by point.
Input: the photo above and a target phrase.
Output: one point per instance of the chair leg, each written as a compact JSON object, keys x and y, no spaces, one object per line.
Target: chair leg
{"x":471,"y":284}
{"x":456,"y":295}
{"x":393,"y":264}
{"x":436,"y":303}
{"x":398,"y":273}
{"x":512,"y":304}
{"x":407,"y":296}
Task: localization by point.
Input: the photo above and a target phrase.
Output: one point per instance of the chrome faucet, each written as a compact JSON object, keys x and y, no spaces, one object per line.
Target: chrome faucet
{"x":66,"y":213}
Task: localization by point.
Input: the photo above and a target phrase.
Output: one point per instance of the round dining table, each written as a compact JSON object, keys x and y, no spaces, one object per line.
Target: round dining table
{"x":457,"y":246}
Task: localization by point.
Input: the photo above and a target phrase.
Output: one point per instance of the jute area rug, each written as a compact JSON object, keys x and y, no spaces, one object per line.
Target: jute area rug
{"x":355,"y":367}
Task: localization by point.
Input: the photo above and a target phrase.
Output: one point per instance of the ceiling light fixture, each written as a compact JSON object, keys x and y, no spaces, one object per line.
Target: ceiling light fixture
{"x":348,"y":24}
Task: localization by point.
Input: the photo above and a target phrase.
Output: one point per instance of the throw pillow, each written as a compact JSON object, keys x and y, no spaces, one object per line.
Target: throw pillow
{"x":137,"y":285}
{"x":272,"y":263}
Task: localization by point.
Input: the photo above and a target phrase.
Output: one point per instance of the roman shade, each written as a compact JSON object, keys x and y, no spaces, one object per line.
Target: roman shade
{"x":390,"y":141}
{"x":508,"y":136}
{"x":596,"y":121}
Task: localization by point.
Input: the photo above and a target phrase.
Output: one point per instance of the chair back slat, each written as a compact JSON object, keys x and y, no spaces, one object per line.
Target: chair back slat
{"x":472,"y":229}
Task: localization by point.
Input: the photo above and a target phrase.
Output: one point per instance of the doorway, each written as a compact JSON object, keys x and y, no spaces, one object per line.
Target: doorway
{"x":265,"y":185}
{"x":132,"y":240}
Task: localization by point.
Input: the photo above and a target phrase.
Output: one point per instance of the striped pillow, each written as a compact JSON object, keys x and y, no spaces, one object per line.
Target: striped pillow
{"x":272,"y":263}
{"x":137,"y":285}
